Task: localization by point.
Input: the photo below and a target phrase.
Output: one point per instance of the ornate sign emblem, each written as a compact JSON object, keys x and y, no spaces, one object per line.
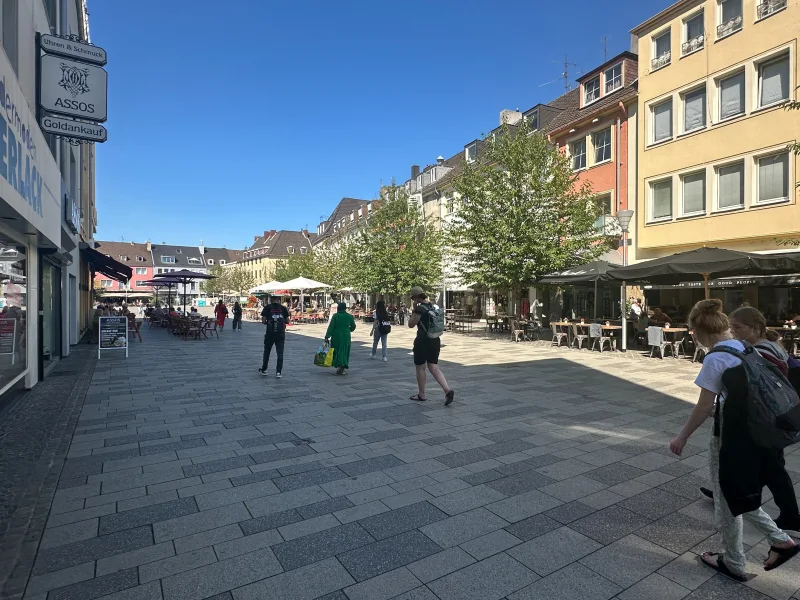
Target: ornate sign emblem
{"x":73,"y":79}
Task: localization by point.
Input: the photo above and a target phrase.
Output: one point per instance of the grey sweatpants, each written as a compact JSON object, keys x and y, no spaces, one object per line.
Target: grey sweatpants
{"x":730,"y":527}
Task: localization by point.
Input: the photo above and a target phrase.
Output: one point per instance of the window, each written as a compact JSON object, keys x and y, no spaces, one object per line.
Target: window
{"x":578,"y":151}
{"x":210,"y":261}
{"x":9,"y":32}
{"x":694,"y":33}
{"x":731,"y":96}
{"x":694,"y":193}
{"x":662,"y":50}
{"x":730,"y":17}
{"x":603,"y":203}
{"x":472,"y":152}
{"x":290,"y":249}
{"x":694,"y":110}
{"x":303,"y":250}
{"x":591,"y":90}
{"x":141,"y":270}
{"x":106,"y":283}
{"x":602,"y":145}
{"x":141,"y":259}
{"x":533,"y":119}
{"x":773,"y":178}
{"x":124,"y":257}
{"x":767,"y":7}
{"x":450,"y":205}
{"x":222,"y":262}
{"x":613,"y":78}
{"x":661,"y":199}
{"x":773,"y":81}
{"x":730,"y":186}
{"x":168,"y":260}
{"x":662,"y":121}
{"x":194,"y":261}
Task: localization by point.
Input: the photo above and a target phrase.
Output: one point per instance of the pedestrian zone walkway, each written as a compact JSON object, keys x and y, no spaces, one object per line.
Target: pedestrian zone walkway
{"x":182,"y":474}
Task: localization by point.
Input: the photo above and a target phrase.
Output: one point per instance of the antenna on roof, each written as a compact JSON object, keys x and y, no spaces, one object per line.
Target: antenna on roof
{"x":564,"y":74}
{"x":605,"y":47}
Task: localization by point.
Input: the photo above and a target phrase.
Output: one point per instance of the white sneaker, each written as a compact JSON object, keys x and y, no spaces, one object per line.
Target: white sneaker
{"x":384,"y":359}
{"x":278,"y":375}
{"x":372,"y":357}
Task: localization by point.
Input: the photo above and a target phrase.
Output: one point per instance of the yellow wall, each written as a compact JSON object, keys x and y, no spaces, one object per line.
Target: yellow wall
{"x":757,"y":132}
{"x":262,"y":268}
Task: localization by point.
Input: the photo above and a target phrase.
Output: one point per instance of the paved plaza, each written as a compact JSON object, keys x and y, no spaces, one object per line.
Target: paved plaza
{"x":181,"y":473}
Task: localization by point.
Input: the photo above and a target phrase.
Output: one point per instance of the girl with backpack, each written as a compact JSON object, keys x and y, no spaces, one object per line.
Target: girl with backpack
{"x":737,"y":464}
{"x":381,"y":327}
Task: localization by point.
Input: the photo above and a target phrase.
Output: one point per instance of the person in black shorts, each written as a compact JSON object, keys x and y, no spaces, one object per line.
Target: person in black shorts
{"x":426,"y":349}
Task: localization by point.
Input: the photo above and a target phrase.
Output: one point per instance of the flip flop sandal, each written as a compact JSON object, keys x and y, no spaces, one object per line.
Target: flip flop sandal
{"x":721,"y":567}
{"x":449,"y":397}
{"x":417,"y":398}
{"x":784,"y":554}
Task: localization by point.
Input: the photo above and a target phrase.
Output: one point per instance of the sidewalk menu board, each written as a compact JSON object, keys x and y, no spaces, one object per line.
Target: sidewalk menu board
{"x":8,"y":337}
{"x":113,"y":334}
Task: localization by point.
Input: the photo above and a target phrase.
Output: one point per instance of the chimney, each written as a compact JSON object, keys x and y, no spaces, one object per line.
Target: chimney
{"x":440,"y":160}
{"x":149,"y":246}
{"x":269,"y":234}
{"x":414,"y":171}
{"x":512,"y":117}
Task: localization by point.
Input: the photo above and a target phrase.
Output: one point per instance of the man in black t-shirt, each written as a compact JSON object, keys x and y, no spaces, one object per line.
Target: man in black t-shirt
{"x":426,"y":349}
{"x":275,"y":317}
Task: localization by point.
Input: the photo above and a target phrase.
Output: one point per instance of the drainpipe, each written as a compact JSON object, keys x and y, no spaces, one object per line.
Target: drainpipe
{"x":618,"y":160}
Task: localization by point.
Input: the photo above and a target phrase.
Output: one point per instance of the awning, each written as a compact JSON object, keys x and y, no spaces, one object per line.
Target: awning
{"x":106,"y":265}
{"x":734,"y":282}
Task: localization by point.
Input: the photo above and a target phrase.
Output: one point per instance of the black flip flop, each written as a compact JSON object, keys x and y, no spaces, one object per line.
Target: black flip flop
{"x":721,"y":567}
{"x":416,"y":398}
{"x":784,"y":554}
{"x":449,"y":397}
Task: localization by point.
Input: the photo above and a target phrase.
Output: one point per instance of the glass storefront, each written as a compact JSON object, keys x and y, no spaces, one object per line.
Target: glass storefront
{"x":51,"y":312}
{"x":13,"y":311}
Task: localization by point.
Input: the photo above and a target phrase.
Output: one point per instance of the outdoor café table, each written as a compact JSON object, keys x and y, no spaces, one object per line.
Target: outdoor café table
{"x":564,"y":327}
{"x":672,"y":334}
{"x":611,"y":331}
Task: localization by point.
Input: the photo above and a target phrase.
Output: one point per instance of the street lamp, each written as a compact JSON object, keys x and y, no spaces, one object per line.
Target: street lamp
{"x":624,"y":217}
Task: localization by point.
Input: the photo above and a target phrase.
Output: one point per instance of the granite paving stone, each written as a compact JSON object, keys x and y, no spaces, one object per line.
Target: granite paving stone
{"x":413,"y":516}
{"x":489,"y":579}
{"x":467,"y":499}
{"x":610,"y":524}
{"x":533,"y":527}
{"x":522,"y":506}
{"x":552,"y":551}
{"x":383,"y":587}
{"x":217,"y":465}
{"x":571,"y":582}
{"x":176,"y":564}
{"x":655,"y":586}
{"x":207,"y":538}
{"x":254,"y":477}
{"x":655,"y":503}
{"x":301,"y":480}
{"x":440,"y":564}
{"x":97,"y":587}
{"x":614,"y":474}
{"x":237,"y":494}
{"x":147,"y":515}
{"x":134,"y":558}
{"x":67,"y":534}
{"x":324,"y":507}
{"x":677,"y":532}
{"x":386,"y":555}
{"x":197,"y":522}
{"x":319,"y":546}
{"x":313,"y":582}
{"x":521,"y":482}
{"x":628,"y":560}
{"x":490,"y":544}
{"x":464,"y":527}
{"x":369,"y":465}
{"x":246,"y":544}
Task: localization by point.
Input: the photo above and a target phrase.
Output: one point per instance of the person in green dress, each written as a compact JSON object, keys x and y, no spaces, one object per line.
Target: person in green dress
{"x":342,"y":323}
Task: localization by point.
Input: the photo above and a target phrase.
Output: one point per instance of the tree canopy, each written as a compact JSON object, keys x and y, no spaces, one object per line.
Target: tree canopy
{"x":521,"y":213}
{"x":239,"y":279}
{"x":217,"y":286}
{"x":297,"y":265}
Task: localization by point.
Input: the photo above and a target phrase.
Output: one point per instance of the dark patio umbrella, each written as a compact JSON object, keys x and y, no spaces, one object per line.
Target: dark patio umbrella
{"x":591,"y":272}
{"x":184,"y":276}
{"x":704,"y":264}
{"x":161,"y":283}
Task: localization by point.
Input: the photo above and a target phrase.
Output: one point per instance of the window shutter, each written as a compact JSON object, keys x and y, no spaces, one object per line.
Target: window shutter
{"x":694,"y":193}
{"x":662,"y":199}
{"x":662,"y":118}
{"x":695,"y":109}
{"x":775,"y":82}
{"x":731,"y":186}
{"x":773,"y":182}
{"x":732,"y":96}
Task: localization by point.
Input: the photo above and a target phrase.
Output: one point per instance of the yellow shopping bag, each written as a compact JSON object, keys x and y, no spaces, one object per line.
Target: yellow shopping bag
{"x":329,"y":358}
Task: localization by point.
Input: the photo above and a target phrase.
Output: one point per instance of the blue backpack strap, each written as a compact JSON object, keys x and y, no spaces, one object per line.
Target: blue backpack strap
{"x":728,"y":350}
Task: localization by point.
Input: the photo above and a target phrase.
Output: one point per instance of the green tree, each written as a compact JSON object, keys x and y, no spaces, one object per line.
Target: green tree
{"x":396,"y":249}
{"x":334,"y":264}
{"x":297,"y":265}
{"x":217,"y":286}
{"x":240,"y":280}
{"x":794,"y":146}
{"x":521,"y":213}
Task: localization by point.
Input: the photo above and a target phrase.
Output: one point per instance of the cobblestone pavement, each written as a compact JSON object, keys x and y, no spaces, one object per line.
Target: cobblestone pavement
{"x":190,"y":476}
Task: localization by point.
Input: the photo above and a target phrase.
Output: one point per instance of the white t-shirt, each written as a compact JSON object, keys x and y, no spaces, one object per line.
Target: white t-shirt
{"x":637,"y":310}
{"x":714,"y":365}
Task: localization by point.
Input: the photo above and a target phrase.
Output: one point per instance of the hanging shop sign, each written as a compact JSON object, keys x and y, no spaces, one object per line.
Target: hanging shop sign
{"x":113,"y":334}
{"x":73,"y":88}
{"x":88,"y":132}
{"x":70,"y":48}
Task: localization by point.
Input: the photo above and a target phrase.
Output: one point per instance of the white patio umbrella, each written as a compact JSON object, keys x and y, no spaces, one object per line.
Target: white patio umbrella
{"x":270,"y":286}
{"x":302,"y":284}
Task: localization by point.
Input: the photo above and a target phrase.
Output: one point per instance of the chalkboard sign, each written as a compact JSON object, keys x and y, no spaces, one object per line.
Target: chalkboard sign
{"x":113,"y":334}
{"x":8,"y":337}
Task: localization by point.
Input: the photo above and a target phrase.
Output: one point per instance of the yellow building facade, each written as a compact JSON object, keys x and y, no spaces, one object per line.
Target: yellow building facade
{"x":713,"y":166}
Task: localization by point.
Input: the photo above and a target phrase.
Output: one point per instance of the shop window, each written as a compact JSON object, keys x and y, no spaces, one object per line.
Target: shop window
{"x":13,"y":312}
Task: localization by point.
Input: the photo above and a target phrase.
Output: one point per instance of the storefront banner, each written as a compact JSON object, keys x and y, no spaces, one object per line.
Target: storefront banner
{"x":113,"y":334}
{"x":30,"y":181}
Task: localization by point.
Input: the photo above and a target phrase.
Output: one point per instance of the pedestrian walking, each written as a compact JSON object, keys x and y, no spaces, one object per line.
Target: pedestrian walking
{"x":737,"y":464}
{"x":381,"y":327}
{"x":429,"y":320}
{"x":402,"y":313}
{"x":338,"y":333}
{"x":237,"y":316}
{"x":275,"y":316}
{"x":221,"y":313}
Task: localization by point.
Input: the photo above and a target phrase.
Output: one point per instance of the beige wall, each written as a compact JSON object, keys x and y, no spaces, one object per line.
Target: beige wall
{"x":758,"y":132}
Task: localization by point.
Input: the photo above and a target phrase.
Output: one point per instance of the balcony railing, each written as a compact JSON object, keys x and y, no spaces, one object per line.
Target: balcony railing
{"x":730,"y":26}
{"x":661,"y":61}
{"x":693,"y":44}
{"x":767,"y":7}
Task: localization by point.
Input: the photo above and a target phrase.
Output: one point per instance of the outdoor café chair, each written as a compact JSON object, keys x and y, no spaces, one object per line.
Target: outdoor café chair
{"x":559,"y":336}
{"x":678,"y":342}
{"x":596,"y":333}
{"x":655,"y":338}
{"x":578,"y":339}
{"x":517,"y":333}
{"x":210,"y":325}
{"x":133,"y":328}
{"x":699,"y":349}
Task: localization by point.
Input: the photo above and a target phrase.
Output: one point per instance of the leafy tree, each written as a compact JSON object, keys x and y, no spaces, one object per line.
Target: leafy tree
{"x":521,"y":213}
{"x":240,"y":280}
{"x":297,"y":265}
{"x":396,"y":249}
{"x":334,"y":263}
{"x":794,"y":146}
{"x":219,"y":285}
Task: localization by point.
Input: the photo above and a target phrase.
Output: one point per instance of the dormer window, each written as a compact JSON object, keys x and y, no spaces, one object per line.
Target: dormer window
{"x":591,"y":90}
{"x":222,"y":262}
{"x":433,"y":174}
{"x":141,"y":259}
{"x":472,"y":152}
{"x":124,"y":257}
{"x":290,"y":249}
{"x":533,"y":119}
{"x":613,"y":78}
{"x":194,"y":261}
{"x":168,"y":260}
{"x":210,"y":261}
{"x":303,"y":250}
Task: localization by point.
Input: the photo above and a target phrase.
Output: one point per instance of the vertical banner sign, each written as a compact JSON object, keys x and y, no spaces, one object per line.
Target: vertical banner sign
{"x":113,"y":334}
{"x":8,"y":337}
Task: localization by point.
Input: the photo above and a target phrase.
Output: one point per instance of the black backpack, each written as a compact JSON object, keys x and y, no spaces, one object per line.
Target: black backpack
{"x":275,"y":321}
{"x":773,"y":406}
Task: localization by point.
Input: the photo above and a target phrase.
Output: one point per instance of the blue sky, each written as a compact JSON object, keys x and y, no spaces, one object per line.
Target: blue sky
{"x":228,"y":119}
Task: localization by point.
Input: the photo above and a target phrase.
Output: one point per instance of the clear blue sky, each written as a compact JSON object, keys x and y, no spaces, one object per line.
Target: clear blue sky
{"x":230,"y":118}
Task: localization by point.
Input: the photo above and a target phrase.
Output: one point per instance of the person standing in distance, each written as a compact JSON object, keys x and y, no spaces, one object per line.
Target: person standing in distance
{"x":429,"y":321}
{"x":275,"y":316}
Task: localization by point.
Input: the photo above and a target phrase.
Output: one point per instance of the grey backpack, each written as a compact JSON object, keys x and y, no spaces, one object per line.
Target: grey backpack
{"x":773,"y":406}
